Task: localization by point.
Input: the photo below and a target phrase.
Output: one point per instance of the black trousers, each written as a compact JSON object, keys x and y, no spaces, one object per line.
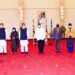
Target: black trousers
{"x":14,"y":50}
{"x":41,"y":46}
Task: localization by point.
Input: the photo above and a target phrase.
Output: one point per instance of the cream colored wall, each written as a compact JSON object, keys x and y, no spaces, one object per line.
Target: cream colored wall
{"x":70,"y":15}
{"x":9,"y":14}
{"x":33,"y":7}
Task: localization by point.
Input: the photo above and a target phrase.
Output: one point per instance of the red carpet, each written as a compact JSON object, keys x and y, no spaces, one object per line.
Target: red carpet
{"x":49,"y":63}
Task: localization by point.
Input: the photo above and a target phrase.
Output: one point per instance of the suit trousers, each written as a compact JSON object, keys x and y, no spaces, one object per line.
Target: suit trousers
{"x":57,"y":43}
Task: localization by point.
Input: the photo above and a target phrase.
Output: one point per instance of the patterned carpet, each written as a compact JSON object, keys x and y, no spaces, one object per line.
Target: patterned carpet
{"x":49,"y":63}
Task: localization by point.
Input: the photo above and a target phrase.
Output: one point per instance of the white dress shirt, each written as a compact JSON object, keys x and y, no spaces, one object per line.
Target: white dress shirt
{"x":40,"y":33}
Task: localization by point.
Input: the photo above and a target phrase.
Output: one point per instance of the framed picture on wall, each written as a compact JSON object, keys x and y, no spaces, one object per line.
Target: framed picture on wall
{"x":41,"y":17}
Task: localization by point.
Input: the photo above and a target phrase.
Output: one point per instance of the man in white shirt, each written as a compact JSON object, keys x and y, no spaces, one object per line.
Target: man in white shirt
{"x":23,"y":35}
{"x":40,"y":35}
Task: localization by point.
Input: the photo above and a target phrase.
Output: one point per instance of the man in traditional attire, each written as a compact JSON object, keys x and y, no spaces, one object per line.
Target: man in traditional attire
{"x":24,"y":35}
{"x":2,"y":39}
{"x":70,"y":44}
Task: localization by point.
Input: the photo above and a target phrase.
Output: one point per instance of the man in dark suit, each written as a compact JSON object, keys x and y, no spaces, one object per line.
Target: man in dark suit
{"x":57,"y":36}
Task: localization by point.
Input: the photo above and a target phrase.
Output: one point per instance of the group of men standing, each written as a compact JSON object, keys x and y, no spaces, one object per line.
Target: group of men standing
{"x":23,"y":36}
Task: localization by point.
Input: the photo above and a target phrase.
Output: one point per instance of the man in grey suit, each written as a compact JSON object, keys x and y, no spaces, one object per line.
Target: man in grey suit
{"x":57,"y":36}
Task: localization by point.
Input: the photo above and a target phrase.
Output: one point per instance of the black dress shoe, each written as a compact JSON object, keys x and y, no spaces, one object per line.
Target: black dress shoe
{"x":57,"y":51}
{"x":26,"y":52}
{"x":5,"y":53}
{"x":41,"y":52}
{"x":0,"y":53}
{"x":22,"y":52}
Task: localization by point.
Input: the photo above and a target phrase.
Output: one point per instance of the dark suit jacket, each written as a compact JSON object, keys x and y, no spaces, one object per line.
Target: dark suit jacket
{"x":57,"y":33}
